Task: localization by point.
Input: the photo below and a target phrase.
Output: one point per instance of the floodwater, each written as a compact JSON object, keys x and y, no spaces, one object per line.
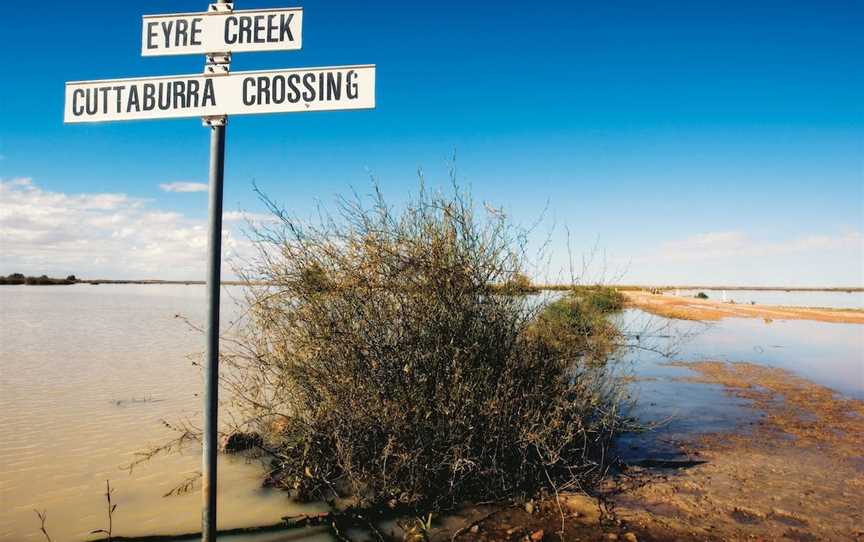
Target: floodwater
{"x":87,"y":373}
{"x":830,"y":299}
{"x":828,"y":354}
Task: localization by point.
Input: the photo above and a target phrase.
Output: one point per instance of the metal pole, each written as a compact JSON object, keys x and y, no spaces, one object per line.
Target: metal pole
{"x":211,"y":378}
{"x":210,"y":444}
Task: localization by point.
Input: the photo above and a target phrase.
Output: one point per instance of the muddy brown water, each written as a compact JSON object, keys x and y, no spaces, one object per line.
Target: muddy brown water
{"x":87,"y":373}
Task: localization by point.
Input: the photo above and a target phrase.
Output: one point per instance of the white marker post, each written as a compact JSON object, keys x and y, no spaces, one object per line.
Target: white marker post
{"x":213,"y":96}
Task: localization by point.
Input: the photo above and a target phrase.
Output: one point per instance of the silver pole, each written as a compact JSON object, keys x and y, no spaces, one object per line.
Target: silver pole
{"x":211,"y":374}
{"x":210,"y":444}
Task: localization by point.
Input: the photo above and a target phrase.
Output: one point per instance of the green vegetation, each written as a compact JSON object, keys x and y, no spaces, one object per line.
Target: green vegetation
{"x":519,"y":284}
{"x":44,"y":280}
{"x":387,"y":366}
{"x":578,"y":325}
{"x":701,"y":295}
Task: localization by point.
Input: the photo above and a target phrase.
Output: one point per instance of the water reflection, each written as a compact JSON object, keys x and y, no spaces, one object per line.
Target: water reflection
{"x":826,"y":353}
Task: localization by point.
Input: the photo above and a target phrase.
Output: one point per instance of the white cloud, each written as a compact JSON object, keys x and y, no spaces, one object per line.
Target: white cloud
{"x":106,"y":235}
{"x":736,"y":258}
{"x":183,"y":187}
{"x":732,"y":244}
{"x":245,"y":217}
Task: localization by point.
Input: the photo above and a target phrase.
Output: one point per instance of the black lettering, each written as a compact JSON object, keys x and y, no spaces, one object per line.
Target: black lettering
{"x":259,"y":29}
{"x":149,"y":96}
{"x":272,"y":28}
{"x":104,"y":91}
{"x":334,"y":86}
{"x":164,"y":96}
{"x":179,"y":94}
{"x":133,"y":100}
{"x":77,"y":109}
{"x":209,"y":95}
{"x":245,"y":32}
{"x":151,"y":35}
{"x":230,"y":37}
{"x":309,"y":84}
{"x":263,"y":90}
{"x":182,"y":29}
{"x":166,"y":29}
{"x":119,"y":91}
{"x":196,"y":32}
{"x":247,"y":96}
{"x":92,"y":104}
{"x":293,"y":82}
{"x":285,"y":25}
{"x":351,"y":85}
{"x":277,"y":93}
{"x":192,"y":92}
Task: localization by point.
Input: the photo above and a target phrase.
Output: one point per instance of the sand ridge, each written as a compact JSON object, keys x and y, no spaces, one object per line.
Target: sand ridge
{"x":688,"y":308}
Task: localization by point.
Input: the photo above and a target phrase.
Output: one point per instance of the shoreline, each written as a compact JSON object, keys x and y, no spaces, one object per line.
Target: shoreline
{"x":792,"y":470}
{"x":627,"y":288}
{"x":686,"y":308}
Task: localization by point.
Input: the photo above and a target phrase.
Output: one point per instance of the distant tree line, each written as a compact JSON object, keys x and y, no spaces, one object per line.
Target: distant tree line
{"x":43,"y":280}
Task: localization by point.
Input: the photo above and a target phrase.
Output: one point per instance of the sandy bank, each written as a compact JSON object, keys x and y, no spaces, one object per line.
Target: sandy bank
{"x":797,"y":473}
{"x":793,"y":471}
{"x":687,"y":308}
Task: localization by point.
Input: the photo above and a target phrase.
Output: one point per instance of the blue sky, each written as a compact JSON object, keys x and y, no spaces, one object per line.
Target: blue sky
{"x":692,"y":142}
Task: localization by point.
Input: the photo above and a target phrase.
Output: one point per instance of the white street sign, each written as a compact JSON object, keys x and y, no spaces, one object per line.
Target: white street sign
{"x":239,"y":93}
{"x":222,"y":32}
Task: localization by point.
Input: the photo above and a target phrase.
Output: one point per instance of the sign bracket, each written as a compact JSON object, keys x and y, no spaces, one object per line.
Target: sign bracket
{"x":221,"y":7}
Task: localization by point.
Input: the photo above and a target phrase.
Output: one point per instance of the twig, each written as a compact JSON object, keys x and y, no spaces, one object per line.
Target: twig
{"x":557,"y":499}
{"x":43,"y":515}
{"x":111,"y":508}
{"x":468,"y":526}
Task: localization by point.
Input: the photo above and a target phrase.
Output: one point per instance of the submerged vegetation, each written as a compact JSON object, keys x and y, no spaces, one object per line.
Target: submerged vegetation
{"x":385,"y":362}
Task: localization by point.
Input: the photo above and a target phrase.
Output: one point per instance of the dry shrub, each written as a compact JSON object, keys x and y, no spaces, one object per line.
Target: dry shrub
{"x":382,"y":360}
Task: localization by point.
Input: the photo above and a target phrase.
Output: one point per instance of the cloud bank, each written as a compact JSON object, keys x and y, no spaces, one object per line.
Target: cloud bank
{"x":183,"y":187}
{"x":737,"y":259}
{"x":108,"y":235}
{"x":113,"y":235}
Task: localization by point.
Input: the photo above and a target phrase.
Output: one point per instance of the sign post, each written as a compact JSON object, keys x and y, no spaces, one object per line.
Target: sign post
{"x":211,"y":378}
{"x":213,"y":96}
{"x":210,"y":441}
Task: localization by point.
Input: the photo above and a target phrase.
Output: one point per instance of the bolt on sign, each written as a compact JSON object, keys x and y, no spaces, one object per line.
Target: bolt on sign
{"x":214,"y":95}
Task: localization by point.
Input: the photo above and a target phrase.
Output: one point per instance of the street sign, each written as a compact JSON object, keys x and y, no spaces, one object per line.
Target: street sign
{"x":222,"y":32}
{"x":213,"y":96}
{"x":238,"y":93}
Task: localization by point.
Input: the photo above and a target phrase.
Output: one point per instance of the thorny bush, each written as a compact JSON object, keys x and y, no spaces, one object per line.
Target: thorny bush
{"x":382,"y":360}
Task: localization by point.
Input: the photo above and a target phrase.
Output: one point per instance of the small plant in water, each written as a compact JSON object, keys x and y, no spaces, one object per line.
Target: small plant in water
{"x":43,"y":517}
{"x":111,"y":508}
{"x":417,"y":530}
